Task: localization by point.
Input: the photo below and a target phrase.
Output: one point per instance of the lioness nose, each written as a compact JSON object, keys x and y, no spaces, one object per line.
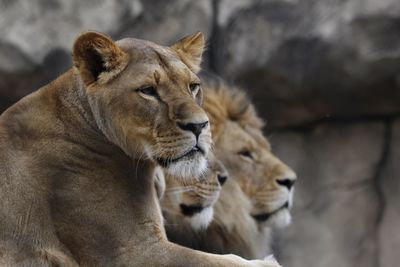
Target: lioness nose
{"x":222,"y":178}
{"x":287,"y":182}
{"x":195,"y":128}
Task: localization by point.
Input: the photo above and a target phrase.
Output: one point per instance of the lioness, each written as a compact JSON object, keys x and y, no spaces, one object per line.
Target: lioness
{"x":77,"y":158}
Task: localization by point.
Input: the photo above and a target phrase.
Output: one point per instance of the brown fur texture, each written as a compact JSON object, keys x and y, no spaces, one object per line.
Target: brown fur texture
{"x":190,"y":50}
{"x":241,"y":145}
{"x":253,"y":186}
{"x":232,"y":230}
{"x":77,"y":159}
{"x":193,"y":201}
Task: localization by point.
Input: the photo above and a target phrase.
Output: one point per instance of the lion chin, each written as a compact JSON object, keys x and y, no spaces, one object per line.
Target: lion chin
{"x":280,"y":219}
{"x":191,"y":167}
{"x":282,"y":216}
{"x":202,"y":220}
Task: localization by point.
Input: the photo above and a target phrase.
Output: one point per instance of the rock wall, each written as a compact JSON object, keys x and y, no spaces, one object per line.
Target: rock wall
{"x":338,"y":207}
{"x":324,"y":73}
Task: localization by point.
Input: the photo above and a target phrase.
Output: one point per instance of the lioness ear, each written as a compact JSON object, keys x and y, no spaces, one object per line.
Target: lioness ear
{"x":190,"y":49}
{"x":98,"y":58}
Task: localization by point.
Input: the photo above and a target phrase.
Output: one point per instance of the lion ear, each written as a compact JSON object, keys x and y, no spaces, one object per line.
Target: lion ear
{"x":190,"y":50}
{"x":98,"y":58}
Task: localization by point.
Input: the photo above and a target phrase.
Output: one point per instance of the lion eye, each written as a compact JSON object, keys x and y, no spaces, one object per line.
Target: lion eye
{"x":148,"y":90}
{"x":194,"y":88}
{"x":246,"y":154}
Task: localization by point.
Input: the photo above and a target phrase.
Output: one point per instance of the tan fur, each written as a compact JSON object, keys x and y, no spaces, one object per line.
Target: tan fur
{"x":225,"y":103}
{"x":200,"y":194}
{"x":233,"y":230}
{"x":78,"y":156}
{"x":253,"y":188}
{"x":237,"y":132}
{"x":190,"y":50}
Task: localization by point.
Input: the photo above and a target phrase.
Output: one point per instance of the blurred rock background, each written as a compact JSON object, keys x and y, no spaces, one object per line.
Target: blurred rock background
{"x":324,"y":73}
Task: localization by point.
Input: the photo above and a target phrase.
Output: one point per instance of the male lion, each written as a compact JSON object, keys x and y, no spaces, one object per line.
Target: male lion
{"x":78,"y":156}
{"x":242,"y":147}
{"x":258,"y":195}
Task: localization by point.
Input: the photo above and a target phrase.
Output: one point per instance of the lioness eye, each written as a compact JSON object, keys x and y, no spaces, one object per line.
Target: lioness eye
{"x":246,"y":154}
{"x":194,"y":88}
{"x":148,"y":90}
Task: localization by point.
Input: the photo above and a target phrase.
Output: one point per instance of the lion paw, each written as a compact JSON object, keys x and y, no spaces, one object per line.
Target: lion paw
{"x":267,"y":262}
{"x":264,"y":263}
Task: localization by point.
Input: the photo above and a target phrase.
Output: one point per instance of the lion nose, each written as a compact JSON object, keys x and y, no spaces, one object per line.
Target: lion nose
{"x":222,"y":178}
{"x":287,"y":182}
{"x":195,"y":128}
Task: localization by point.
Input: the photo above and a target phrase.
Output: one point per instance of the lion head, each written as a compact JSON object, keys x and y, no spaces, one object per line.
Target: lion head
{"x":246,"y":153}
{"x":193,"y":200}
{"x":152,"y":94}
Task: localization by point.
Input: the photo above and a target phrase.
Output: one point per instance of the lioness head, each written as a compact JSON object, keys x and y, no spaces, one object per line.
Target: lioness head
{"x":147,"y":98}
{"x":193,"y":200}
{"x":246,"y":153}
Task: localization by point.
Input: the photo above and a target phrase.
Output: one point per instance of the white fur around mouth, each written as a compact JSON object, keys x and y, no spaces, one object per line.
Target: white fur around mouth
{"x":202,"y":219}
{"x":187,"y":169}
{"x":281,"y":219}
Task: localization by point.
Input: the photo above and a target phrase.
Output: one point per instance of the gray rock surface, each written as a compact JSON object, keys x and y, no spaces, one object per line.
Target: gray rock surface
{"x":165,"y":22}
{"x":44,"y":26}
{"x":307,"y":60}
{"x":336,"y":204}
{"x":389,"y":237}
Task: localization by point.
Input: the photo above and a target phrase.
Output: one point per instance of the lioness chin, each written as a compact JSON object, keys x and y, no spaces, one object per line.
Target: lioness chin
{"x":77,"y":157}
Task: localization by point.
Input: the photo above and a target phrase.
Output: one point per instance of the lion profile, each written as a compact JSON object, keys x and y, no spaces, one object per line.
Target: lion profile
{"x":245,"y":151}
{"x":78,"y":156}
{"x":259,"y":193}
